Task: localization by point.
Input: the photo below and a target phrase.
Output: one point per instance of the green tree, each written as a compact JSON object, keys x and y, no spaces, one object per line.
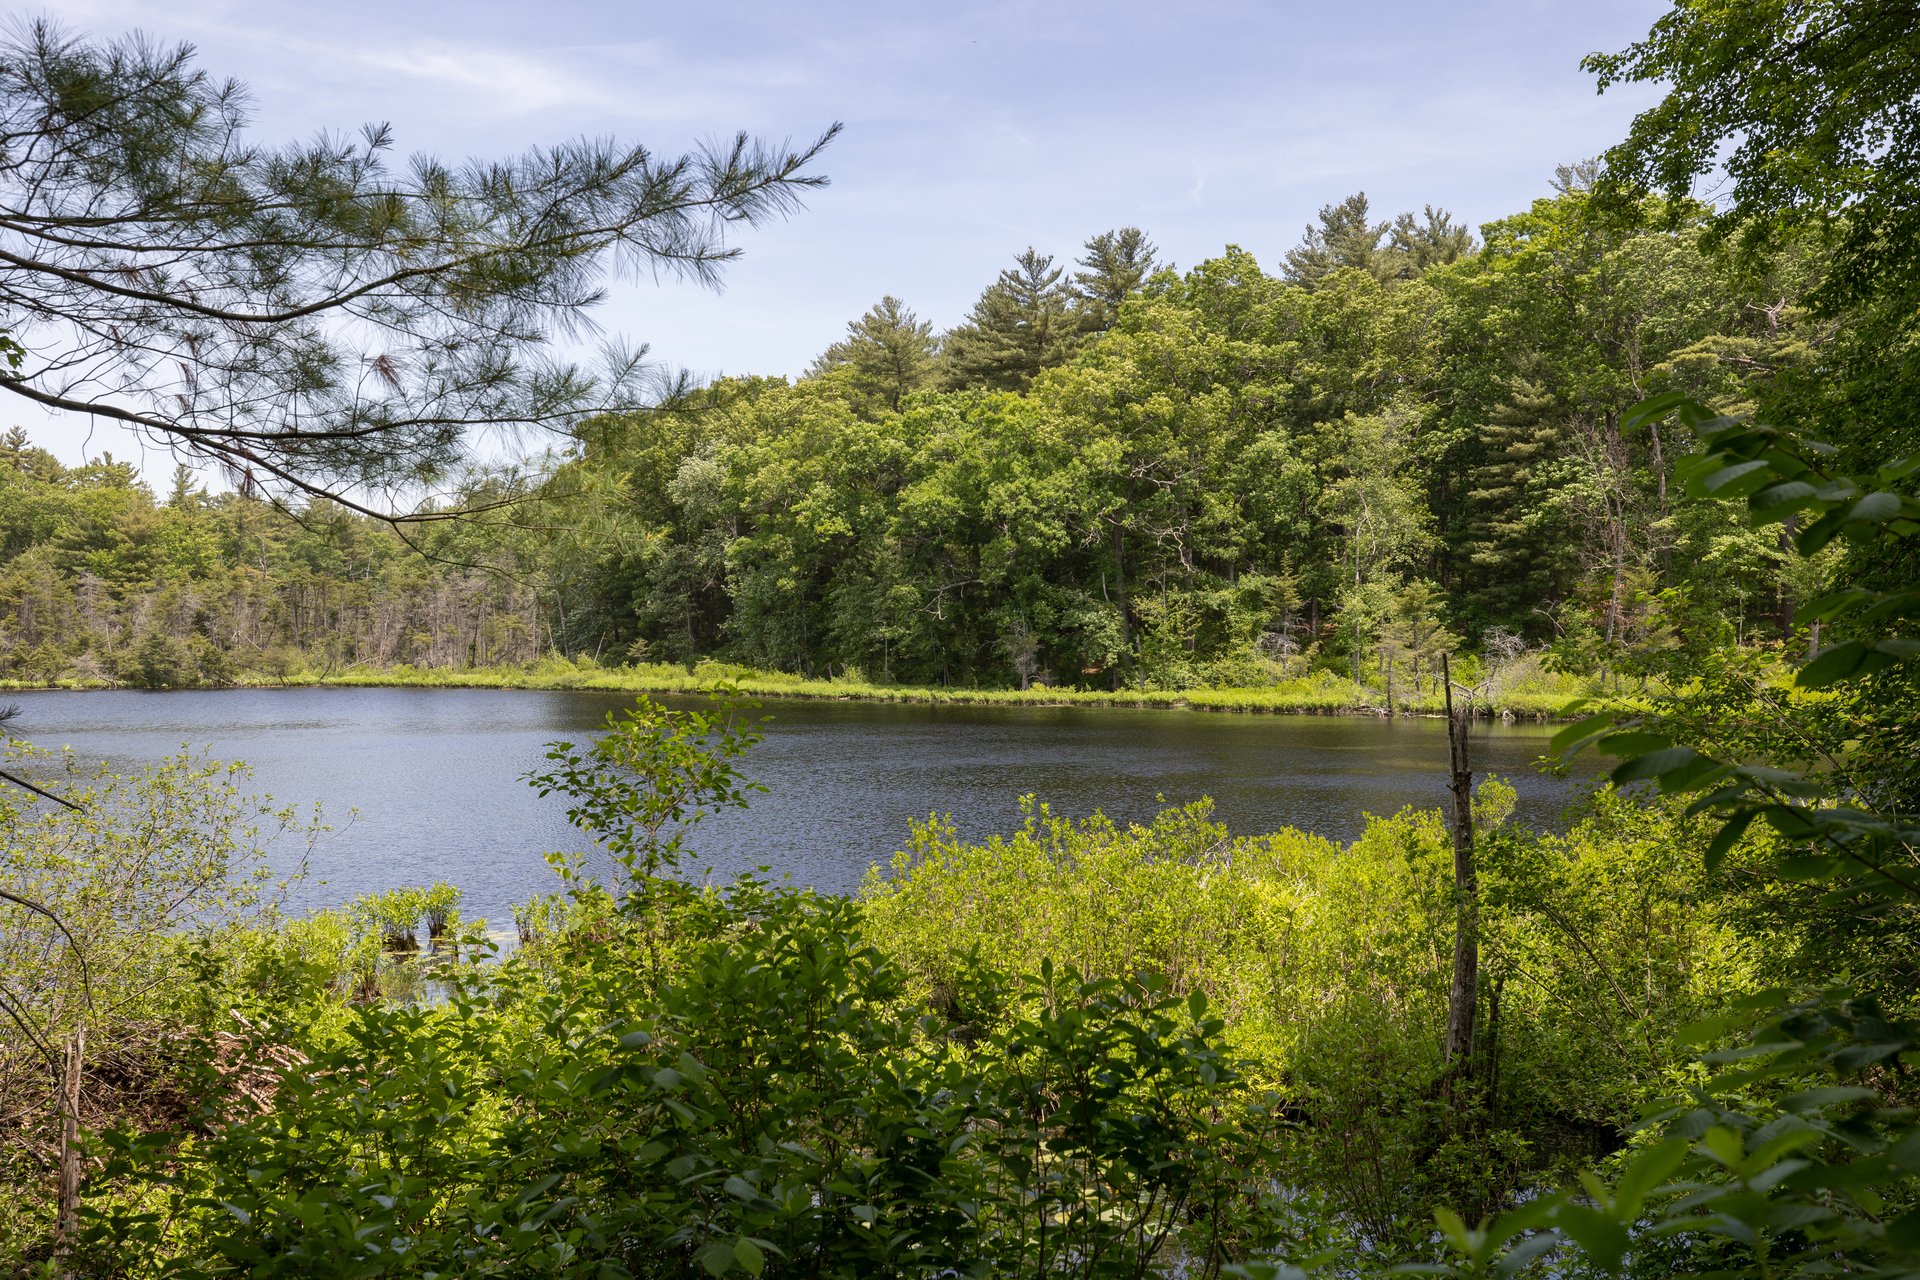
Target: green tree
{"x":1809,"y":110}
{"x":1345,"y":237}
{"x":1518,"y":550}
{"x":1808,"y":106}
{"x":305,"y":315}
{"x":887,"y":354}
{"x":1022,"y":323}
{"x":1433,"y":240}
{"x":1113,"y":267}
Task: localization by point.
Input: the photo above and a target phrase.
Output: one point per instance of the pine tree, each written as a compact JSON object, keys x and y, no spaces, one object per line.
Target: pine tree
{"x":23,"y":457}
{"x":1516,"y":558}
{"x":1416,"y":245}
{"x":1116,"y":264}
{"x":887,"y":353}
{"x":1344,"y":238}
{"x":1416,"y":632}
{"x":1580,"y":176}
{"x":315,"y":317}
{"x":186,"y":495}
{"x":1022,"y":324}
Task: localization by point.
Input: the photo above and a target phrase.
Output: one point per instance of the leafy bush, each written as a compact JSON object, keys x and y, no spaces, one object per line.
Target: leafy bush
{"x":1330,"y":966}
{"x":147,"y":885}
{"x":772,"y":1105}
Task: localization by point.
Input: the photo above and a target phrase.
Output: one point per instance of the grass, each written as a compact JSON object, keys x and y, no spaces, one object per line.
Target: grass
{"x":1522,"y":690}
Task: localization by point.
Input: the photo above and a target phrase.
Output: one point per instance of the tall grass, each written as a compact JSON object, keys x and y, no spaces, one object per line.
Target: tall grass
{"x":1533,"y":694}
{"x":1521,"y":689}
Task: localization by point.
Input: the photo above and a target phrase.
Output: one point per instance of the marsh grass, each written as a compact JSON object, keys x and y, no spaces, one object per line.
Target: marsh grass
{"x":1531,"y":693}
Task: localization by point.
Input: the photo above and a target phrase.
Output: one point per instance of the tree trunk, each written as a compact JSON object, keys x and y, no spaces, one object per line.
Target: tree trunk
{"x":1121,"y":598}
{"x":67,"y":1221}
{"x":1463,"y":1000}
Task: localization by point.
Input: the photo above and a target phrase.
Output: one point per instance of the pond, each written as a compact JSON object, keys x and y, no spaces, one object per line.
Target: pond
{"x":423,"y":784}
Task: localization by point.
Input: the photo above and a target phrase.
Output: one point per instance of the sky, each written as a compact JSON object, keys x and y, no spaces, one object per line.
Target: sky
{"x":972,"y":130}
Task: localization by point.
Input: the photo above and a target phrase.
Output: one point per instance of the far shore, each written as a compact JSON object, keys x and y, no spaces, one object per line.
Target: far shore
{"x":1322,"y":693}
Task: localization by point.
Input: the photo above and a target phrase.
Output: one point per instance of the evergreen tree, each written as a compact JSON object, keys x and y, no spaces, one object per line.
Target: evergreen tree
{"x":1417,"y":244}
{"x":1414,"y":635}
{"x":1022,"y":324}
{"x":1115,"y":265}
{"x":1518,"y":552}
{"x":1579,"y":177}
{"x":1346,"y":237}
{"x":187,"y":495}
{"x":887,"y":353}
{"x":314,"y":317}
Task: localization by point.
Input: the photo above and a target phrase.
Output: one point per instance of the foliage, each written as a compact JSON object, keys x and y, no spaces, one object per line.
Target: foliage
{"x":1330,"y":966}
{"x":1798,"y":1156}
{"x":641,"y":787}
{"x":149,"y":874}
{"x":1201,"y":479}
{"x":1229,"y":466}
{"x":1807,"y":108}
{"x":887,"y":354}
{"x":766,"y":1102}
{"x":304,"y":315}
{"x":1022,"y":324}
{"x":1225,"y":1053}
{"x":102,"y":583}
{"x":1848,"y":822}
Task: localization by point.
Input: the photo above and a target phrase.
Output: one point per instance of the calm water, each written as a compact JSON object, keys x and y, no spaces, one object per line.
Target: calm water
{"x":434,"y":774}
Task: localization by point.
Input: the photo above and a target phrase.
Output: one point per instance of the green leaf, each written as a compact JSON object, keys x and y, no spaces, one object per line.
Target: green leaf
{"x":1875,"y":508}
{"x":1820,"y":532}
{"x":1843,"y":661}
{"x":1646,"y":1170}
{"x":1655,"y":764}
{"x":1727,"y":837}
{"x":1656,"y":407}
{"x":1738,"y":480}
{"x":1818,"y":1099}
{"x":1778,"y":501}
{"x":1634,"y":742}
{"x":1522,"y":1255}
{"x":749,"y":1256}
{"x":1834,"y":604}
{"x":1454,"y":1229}
{"x":1581,"y":733}
{"x":1724,"y":1145}
{"x":1852,"y":659}
{"x":1602,"y":1238}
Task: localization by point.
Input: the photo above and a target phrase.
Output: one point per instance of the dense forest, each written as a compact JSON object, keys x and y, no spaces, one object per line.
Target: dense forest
{"x":1396,"y":442}
{"x":1663,"y":450}
{"x":104,"y":583}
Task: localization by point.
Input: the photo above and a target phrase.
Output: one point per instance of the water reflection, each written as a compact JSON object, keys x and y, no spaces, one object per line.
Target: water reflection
{"x":433,"y":774}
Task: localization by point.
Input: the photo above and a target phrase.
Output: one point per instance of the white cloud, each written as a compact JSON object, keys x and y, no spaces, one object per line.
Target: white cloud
{"x":973,"y":130}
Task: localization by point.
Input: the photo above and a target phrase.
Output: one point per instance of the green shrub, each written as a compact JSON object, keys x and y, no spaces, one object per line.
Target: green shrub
{"x":1331,"y":966}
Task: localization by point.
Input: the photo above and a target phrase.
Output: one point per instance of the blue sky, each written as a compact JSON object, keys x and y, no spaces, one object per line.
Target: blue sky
{"x":972,"y":129}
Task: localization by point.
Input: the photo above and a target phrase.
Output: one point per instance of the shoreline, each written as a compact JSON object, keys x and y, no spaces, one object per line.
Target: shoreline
{"x":1320,"y":697}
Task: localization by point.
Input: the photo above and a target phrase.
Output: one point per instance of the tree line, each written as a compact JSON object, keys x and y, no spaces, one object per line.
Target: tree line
{"x":101,"y":580}
{"x":1399,"y":442}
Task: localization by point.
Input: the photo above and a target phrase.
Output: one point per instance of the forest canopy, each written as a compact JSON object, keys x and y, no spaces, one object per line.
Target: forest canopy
{"x":1401,"y":441}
